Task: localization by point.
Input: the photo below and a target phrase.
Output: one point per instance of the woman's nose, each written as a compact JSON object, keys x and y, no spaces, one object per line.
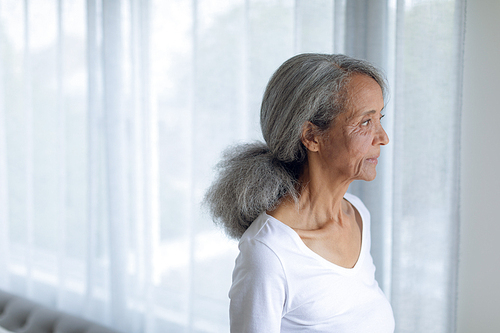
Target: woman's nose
{"x":382,"y":136}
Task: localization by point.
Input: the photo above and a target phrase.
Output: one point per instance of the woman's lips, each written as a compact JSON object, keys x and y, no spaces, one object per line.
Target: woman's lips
{"x":373,"y":160}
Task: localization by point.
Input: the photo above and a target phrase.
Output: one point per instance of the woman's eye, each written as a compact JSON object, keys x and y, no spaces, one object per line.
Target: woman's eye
{"x":382,"y":116}
{"x":366,"y":122}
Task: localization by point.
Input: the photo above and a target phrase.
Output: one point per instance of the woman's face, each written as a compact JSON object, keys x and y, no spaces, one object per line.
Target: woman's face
{"x":352,"y":144}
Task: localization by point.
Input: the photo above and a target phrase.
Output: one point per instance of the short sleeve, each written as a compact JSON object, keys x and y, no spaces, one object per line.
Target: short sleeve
{"x":258,"y":293}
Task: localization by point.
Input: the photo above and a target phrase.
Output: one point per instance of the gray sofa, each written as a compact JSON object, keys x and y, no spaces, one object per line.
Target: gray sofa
{"x":20,"y":315}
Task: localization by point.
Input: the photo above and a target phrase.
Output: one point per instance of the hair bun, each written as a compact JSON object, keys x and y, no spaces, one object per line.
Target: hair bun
{"x":251,"y":180}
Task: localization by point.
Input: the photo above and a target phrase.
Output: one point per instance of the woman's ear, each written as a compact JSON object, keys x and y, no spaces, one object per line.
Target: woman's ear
{"x":310,"y":137}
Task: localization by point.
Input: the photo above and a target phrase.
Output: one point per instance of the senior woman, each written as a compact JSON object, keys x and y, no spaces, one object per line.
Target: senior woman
{"x":304,"y":262}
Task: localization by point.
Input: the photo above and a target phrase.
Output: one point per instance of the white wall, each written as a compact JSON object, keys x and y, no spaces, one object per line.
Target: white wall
{"x":479,"y":270}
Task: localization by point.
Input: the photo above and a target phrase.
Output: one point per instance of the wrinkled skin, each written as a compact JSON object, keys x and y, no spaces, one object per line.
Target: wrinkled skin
{"x":351,"y":147}
{"x":327,"y":223}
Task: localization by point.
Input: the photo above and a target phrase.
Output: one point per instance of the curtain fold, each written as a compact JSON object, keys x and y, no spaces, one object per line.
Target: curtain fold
{"x":4,"y":212}
{"x":415,"y":196}
{"x":114,"y":112}
{"x":116,"y":159}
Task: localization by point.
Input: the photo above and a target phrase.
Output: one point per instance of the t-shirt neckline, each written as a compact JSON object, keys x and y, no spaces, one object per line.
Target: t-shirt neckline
{"x":306,"y":250}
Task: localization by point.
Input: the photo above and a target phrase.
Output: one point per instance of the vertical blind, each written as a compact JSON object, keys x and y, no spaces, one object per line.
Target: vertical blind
{"x":113,"y":114}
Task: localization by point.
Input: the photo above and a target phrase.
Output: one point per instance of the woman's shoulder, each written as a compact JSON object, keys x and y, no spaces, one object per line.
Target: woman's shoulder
{"x":255,"y":230}
{"x":259,"y":257}
{"x":267,"y":237}
{"x":264,"y":230}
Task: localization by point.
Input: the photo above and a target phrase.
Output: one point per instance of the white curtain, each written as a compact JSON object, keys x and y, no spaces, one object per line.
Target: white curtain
{"x":114,"y":112}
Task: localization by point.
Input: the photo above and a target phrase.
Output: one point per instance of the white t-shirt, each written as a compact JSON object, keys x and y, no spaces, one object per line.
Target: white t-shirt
{"x":280,"y":285}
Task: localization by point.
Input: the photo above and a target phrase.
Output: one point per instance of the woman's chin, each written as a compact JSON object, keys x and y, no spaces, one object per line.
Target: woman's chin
{"x":368,"y":176}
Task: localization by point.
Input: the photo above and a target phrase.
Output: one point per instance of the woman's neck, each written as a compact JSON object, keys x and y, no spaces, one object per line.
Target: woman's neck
{"x":319,"y":204}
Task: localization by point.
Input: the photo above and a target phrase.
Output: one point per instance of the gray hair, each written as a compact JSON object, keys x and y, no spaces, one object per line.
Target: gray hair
{"x":254,"y":177}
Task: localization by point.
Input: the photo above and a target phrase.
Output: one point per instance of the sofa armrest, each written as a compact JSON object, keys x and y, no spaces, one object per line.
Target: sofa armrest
{"x":18,"y":314}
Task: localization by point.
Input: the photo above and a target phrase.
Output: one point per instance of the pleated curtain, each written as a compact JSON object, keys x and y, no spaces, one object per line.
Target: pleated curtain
{"x":113,"y":114}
